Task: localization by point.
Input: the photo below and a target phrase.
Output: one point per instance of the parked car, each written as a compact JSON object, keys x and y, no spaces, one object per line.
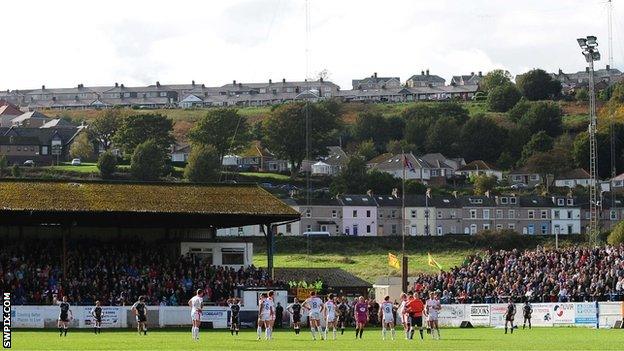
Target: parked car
{"x":29,"y":163}
{"x":76,"y":162}
{"x":519,"y":186}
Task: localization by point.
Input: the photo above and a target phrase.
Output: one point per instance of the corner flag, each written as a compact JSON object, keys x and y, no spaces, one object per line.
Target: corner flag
{"x":393,"y":261}
{"x":433,"y":262}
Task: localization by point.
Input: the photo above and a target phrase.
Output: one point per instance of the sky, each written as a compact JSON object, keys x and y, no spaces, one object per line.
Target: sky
{"x":64,"y":43}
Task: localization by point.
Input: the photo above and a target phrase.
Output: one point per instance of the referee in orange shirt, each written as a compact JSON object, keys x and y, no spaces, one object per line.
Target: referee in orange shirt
{"x":414,"y":308}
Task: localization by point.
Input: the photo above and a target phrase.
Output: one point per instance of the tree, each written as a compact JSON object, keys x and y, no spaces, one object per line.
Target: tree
{"x":367,"y":150}
{"x":616,"y":237}
{"x":3,"y":165}
{"x":104,"y":128}
{"x":494,"y":79}
{"x":138,"y":129}
{"x":443,"y":136}
{"x":285,"y":131}
{"x":484,"y":183}
{"x":540,"y":142}
{"x":148,"y":161}
{"x":536,"y":84}
{"x":544,"y":116}
{"x":82,"y":147}
{"x":223,"y":128}
{"x":580,"y":150}
{"x":381,"y":182}
{"x":582,"y":95}
{"x":370,"y":126}
{"x":482,"y":139}
{"x":203,"y":164}
{"x":452,"y":109}
{"x":516,"y":112}
{"x":352,"y":179}
{"x":401,"y":146}
{"x":107,"y":164}
{"x":553,"y":162}
{"x":503,"y":97}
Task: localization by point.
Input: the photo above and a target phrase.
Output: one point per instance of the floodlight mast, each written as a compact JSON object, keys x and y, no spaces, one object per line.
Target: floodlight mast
{"x":590,"y":51}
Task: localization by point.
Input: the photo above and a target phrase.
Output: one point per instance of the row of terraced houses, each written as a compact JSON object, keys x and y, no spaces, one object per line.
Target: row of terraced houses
{"x":418,"y":215}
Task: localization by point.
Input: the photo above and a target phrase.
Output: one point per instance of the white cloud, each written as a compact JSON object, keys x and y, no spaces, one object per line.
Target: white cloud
{"x":63,"y":43}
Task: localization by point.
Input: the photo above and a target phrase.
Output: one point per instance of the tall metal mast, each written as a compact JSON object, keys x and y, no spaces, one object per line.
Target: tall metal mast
{"x":591,"y":54}
{"x":610,"y":24}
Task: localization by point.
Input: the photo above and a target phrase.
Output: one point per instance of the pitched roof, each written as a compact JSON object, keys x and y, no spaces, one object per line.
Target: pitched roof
{"x":577,"y":173}
{"x":97,"y":197}
{"x":357,"y":200}
{"x":331,"y":277}
{"x":256,"y":149}
{"x":29,"y":115}
{"x":436,"y":160}
{"x":336,"y":156}
{"x":8,"y":109}
{"x":58,"y":123}
{"x":535,"y":201}
{"x":478,"y":165}
{"x":388,"y":200}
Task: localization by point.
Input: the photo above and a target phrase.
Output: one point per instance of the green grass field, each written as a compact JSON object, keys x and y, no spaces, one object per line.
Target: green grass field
{"x":452,"y":339}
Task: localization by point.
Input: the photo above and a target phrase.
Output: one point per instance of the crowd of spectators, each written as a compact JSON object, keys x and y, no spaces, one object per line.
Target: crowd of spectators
{"x":117,"y":274}
{"x":574,"y":274}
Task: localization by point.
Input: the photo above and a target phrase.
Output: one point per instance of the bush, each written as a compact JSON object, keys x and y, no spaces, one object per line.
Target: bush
{"x":203,"y":164}
{"x":617,"y":234}
{"x":503,"y":98}
{"x":148,"y":161}
{"x":107,"y":164}
{"x":16,"y":171}
{"x":505,"y":239}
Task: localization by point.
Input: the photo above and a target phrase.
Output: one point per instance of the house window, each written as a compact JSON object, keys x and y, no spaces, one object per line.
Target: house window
{"x":513,"y":200}
{"x":486,"y":226}
{"x":544,"y":214}
{"x":394,"y":229}
{"x":531,"y":230}
{"x":380,"y":213}
{"x":288,"y":228}
{"x":534,"y":177}
{"x":354,"y":213}
{"x":560,"y":202}
{"x":232,"y":256}
{"x":499,"y":227}
{"x":309,"y":228}
{"x":413,"y":213}
{"x":503,"y":200}
{"x":512,"y":214}
{"x":517,"y":178}
{"x":556,"y":214}
{"x":393,"y":214}
{"x":473,"y":229}
{"x":439,"y":230}
{"x":486,"y":214}
{"x":613,"y":215}
{"x":453,"y":214}
{"x":368,"y":214}
{"x":499,"y":213}
{"x":323,"y":228}
{"x":531,"y":214}
{"x":368,"y":229}
{"x":439,"y":214}
{"x":570,"y":202}
{"x":544,"y":229}
{"x":511,"y":226}
{"x":334,"y":214}
{"x":473,"y":214}
{"x":308,"y":213}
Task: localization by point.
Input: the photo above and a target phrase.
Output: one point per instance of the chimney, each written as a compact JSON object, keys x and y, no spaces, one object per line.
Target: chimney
{"x":122,"y":86}
{"x":193,"y":83}
{"x":472,"y":73}
{"x":369,"y":192}
{"x":560,"y":71}
{"x":116,"y":85}
{"x":283,"y":80}
{"x":240,"y":85}
{"x":586,"y":69}
{"x":157,"y":84}
{"x":427,"y":72}
{"x":455,"y":194}
{"x":43,"y":87}
{"x":395,"y":192}
{"x":480,"y":74}
{"x":321,"y":79}
{"x":270,"y":81}
{"x":203,"y":85}
{"x":608,"y":67}
{"x":375,"y":74}
{"x":422,"y":73}
{"x":234,"y":82}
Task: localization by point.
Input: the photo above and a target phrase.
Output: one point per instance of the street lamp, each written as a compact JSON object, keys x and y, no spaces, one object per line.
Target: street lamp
{"x":591,"y":54}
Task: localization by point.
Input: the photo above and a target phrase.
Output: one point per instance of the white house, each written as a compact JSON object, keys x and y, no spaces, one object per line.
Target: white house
{"x":566,"y":215}
{"x":418,"y":216}
{"x":231,"y":160}
{"x":416,"y":168}
{"x":180,"y":152}
{"x":191,"y":101}
{"x":573,"y":178}
{"x":321,"y":169}
{"x":359,"y":215}
{"x":479,"y":167}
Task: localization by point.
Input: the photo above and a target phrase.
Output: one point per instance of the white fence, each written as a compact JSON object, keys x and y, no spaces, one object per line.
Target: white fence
{"x":490,"y":315}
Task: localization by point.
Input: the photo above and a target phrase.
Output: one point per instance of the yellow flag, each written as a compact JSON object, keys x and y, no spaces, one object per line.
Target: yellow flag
{"x":393,"y":261}
{"x":433,"y":262}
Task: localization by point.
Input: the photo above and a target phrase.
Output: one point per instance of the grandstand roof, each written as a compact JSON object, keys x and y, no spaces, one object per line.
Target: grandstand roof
{"x":147,"y":205}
